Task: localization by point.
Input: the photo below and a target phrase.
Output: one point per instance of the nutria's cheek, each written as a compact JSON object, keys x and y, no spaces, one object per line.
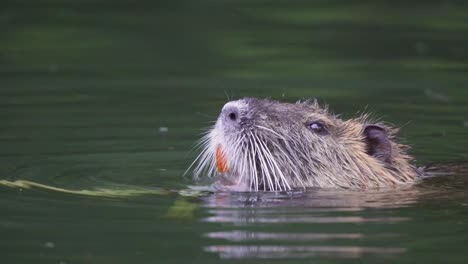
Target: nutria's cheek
{"x":221,"y":161}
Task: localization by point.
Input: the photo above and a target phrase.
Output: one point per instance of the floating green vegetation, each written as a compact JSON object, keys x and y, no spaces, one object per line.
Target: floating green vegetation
{"x":182,"y":210}
{"x":107,"y":192}
{"x":99,"y":192}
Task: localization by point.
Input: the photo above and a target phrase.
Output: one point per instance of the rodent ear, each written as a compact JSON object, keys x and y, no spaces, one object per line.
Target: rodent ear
{"x":378,"y":143}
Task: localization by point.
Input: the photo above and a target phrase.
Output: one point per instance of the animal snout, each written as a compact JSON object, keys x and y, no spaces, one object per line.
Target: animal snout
{"x":231,"y":112}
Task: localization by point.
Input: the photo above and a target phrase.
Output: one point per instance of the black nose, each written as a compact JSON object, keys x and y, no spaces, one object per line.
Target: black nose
{"x":232,"y":116}
{"x":231,"y":113}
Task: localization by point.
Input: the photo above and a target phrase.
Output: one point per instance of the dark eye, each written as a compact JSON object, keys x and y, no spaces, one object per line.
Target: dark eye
{"x":318,"y":128}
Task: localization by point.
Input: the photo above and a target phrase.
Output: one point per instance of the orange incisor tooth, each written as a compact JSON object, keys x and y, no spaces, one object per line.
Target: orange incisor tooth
{"x":221,"y":162}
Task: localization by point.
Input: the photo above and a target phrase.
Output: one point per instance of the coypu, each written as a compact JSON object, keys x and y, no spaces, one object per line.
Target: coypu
{"x":261,"y":144}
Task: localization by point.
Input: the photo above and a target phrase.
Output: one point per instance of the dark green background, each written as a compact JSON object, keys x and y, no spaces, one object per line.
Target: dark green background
{"x":87,"y":86}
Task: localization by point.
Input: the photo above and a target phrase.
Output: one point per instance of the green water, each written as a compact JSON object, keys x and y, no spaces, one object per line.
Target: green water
{"x":102,"y":101}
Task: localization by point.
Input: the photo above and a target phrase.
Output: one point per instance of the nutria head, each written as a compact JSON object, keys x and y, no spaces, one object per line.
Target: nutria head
{"x":260,"y":144}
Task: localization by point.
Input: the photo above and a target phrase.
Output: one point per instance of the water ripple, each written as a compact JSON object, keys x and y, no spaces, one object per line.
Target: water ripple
{"x":240,"y":220}
{"x":275,"y":252}
{"x":242,"y":236}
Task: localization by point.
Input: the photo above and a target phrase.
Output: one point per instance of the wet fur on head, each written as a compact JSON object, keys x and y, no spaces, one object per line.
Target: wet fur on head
{"x":271,"y":147}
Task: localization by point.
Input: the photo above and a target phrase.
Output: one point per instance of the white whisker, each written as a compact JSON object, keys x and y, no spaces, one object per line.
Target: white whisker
{"x":277,"y":167}
{"x":264,"y":166}
{"x":270,"y":165}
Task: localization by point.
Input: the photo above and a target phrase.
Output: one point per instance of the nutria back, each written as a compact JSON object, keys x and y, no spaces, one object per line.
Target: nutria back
{"x":261,"y":144}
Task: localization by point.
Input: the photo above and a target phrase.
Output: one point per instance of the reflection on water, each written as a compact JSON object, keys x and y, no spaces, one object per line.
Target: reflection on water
{"x":299,"y":251}
{"x":253,"y":236}
{"x":316,"y":218}
{"x":318,"y":200}
{"x":245,"y":220}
